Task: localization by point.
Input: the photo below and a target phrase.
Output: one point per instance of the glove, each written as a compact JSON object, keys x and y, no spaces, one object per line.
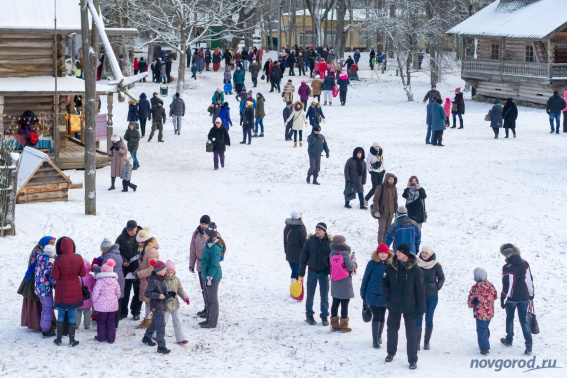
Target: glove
{"x":112,"y":148}
{"x":192,"y":270}
{"x":377,"y":214}
{"x":324,"y":120}
{"x":172,"y":294}
{"x":213,"y":139}
{"x":209,"y":281}
{"x":327,"y":155}
{"x":502,"y":301}
{"x":186,"y":300}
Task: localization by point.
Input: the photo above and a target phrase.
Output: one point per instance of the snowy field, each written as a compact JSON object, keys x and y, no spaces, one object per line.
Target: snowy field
{"x":481,"y":192}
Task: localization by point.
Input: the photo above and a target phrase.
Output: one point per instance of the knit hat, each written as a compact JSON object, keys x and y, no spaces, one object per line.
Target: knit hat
{"x":218,"y":120}
{"x":157,"y":265}
{"x":382,"y":248}
{"x":211,"y":230}
{"x":480,"y":275}
{"x":131,"y":225}
{"x":49,"y":250}
{"x":143,"y":235}
{"x":108,"y":266}
{"x":428,"y":248}
{"x":170,"y":265}
{"x":375,"y":144}
{"x":402,"y":210}
{"x":405,"y":249}
{"x":322,"y":226}
{"x":509,"y":249}
{"x":303,"y":82}
{"x":115,"y":138}
{"x":458,"y":90}
{"x":205,"y":219}
{"x":177,"y":94}
{"x":339,"y":239}
{"x":316,"y":128}
{"x":433,"y":86}
{"x":314,"y":101}
{"x":106,"y":243}
{"x":218,"y":89}
{"x":295,"y":214}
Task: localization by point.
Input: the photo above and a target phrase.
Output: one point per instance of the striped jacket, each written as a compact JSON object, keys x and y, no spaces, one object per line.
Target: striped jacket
{"x":517,"y":281}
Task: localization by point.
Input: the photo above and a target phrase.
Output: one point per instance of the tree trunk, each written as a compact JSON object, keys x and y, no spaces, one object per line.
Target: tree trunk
{"x":351,"y":28}
{"x":340,"y":41}
{"x":182,"y":63}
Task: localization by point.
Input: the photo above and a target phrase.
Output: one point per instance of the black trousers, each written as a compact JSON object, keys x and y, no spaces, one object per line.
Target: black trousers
{"x":158,"y":326}
{"x":376,"y":178}
{"x":344,"y":307}
{"x":275,"y":84}
{"x":291,"y":72}
{"x":143,"y":125}
{"x":507,"y":129}
{"x":438,"y":137}
{"x":342,"y":95}
{"x":127,"y":184}
{"x":314,"y":166}
{"x":288,"y":131}
{"x":393,"y":323}
{"x":136,"y":305}
{"x":496,"y":131}
{"x":117,"y":313}
{"x":564,"y":122}
{"x":378,"y":313}
{"x":301,"y":70}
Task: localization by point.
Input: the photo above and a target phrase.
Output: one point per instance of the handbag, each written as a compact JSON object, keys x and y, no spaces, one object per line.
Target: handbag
{"x":366,"y":313}
{"x":262,"y":77}
{"x":85,"y":290}
{"x":488,"y":117}
{"x":209,"y":146}
{"x":349,"y":192}
{"x":532,"y":320}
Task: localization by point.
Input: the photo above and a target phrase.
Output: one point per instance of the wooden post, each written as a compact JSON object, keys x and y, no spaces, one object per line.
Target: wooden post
{"x":89,"y":62}
{"x":11,"y":215}
{"x":2,"y":115}
{"x":549,"y":58}
{"x":109,"y":122}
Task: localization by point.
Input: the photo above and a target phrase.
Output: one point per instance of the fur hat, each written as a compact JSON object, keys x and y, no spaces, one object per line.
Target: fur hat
{"x":218,"y":120}
{"x":428,"y":248}
{"x":115,"y":138}
{"x":405,"y":249}
{"x":49,"y":250}
{"x":509,"y":249}
{"x":321,"y":226}
{"x":205,"y":219}
{"x":169,"y":265}
{"x":157,"y":265}
{"x":108,"y":266}
{"x":339,"y":239}
{"x":480,"y":275}
{"x":211,"y":230}
{"x":295,"y":214}
{"x":106,"y":243}
{"x":382,"y":248}
{"x":143,"y":235}
{"x":402,"y":210}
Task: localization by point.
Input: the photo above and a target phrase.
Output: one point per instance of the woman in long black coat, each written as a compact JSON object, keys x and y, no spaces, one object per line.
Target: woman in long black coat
{"x":355,"y":174}
{"x":510,"y":114}
{"x":220,"y":138}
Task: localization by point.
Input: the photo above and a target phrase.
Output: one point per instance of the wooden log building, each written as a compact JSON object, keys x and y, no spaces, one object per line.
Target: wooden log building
{"x":517,"y":49}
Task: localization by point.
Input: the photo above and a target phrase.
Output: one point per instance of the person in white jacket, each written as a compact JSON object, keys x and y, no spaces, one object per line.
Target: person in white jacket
{"x":299,"y":121}
{"x":375,"y":166}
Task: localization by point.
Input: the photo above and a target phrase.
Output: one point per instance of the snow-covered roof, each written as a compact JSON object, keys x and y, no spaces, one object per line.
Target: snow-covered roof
{"x":536,"y":20}
{"x":47,"y":84}
{"x":357,"y":15}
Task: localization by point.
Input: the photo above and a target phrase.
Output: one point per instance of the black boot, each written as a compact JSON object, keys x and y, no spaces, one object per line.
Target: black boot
{"x":57,"y":340}
{"x":163,"y":350}
{"x":243,"y":142}
{"x":389,"y":357}
{"x":418,"y":331}
{"x":460,"y":123}
{"x":202,"y":312}
{"x":49,"y":333}
{"x":309,"y":319}
{"x":112,"y":180}
{"x":308,"y":180}
{"x":72,"y":341}
{"x":428,"y":332}
{"x":148,"y":341}
{"x":315,"y":182}
{"x":375,"y":327}
{"x":454,"y":123}
{"x":325,"y":321}
{"x":380,"y":329}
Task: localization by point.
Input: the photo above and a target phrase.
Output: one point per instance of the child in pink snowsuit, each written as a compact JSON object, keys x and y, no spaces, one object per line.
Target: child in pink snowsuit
{"x":447,"y":108}
{"x":106,"y":294}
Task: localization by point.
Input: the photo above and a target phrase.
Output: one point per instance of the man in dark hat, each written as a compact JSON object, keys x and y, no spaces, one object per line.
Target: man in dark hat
{"x":129,"y":249}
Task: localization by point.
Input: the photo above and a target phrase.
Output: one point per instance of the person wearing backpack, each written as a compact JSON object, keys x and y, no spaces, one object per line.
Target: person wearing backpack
{"x":404,"y":230}
{"x":385,"y":203}
{"x":342,"y":267}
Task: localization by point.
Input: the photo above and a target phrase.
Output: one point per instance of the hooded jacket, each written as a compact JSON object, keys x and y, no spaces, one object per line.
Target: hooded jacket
{"x":355,"y":170}
{"x":555,"y":104}
{"x":403,"y":286}
{"x":118,"y":154}
{"x":158,"y":113}
{"x":106,"y":292}
{"x":294,"y":236}
{"x":297,"y":117}
{"x":133,"y":139}
{"x":260,"y":107}
{"x":177,"y":107}
{"x":174,"y":284}
{"x":433,"y":276}
{"x":238,"y":76}
{"x":254,"y":70}
{"x":113,"y":252}
{"x":404,"y":230}
{"x":371,"y":289}
{"x":210,"y":263}
{"x":496,"y":113}
{"x":67,"y":268}
{"x":155,"y":287}
{"x":88,"y":281}
{"x":437,"y":117}
{"x":221,"y":138}
{"x":44,"y":283}
{"x":329,"y":82}
{"x":315,"y":254}
{"x":224,"y":115}
{"x":196,"y":249}
{"x":485,"y":295}
{"x":303,"y":91}
{"x":517,"y":280}
{"x":460,"y":101}
{"x":386,"y":198}
{"x":132,"y":111}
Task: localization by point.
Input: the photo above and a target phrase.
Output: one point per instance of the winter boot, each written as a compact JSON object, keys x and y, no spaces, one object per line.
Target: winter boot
{"x":315,"y":182}
{"x":148,"y":341}
{"x":163,"y":350}
{"x":506,"y":342}
{"x":249,"y":142}
{"x":330,"y":104}
{"x":325,"y":321}
{"x":454,"y":123}
{"x":335,"y":324}
{"x":418,"y":331}
{"x":72,"y":341}
{"x":49,"y":333}
{"x":308,"y":179}
{"x":375,"y":326}
{"x":57,"y":340}
{"x":145,"y":323}
{"x":243,"y":142}
{"x":112,"y":180}
{"x":484,"y":352}
{"x":413,"y":366}
{"x":460,"y":123}
{"x":202,"y":312}
{"x":325,"y":103}
{"x":344,"y":325}
{"x":389,"y":357}
{"x":309,"y":319}
{"x":300,"y":144}
{"x":528,"y":350}
{"x":428,"y":332}
{"x":261,"y":135}
{"x":380,"y":329}
{"x":255,"y":135}
{"x":294,"y":144}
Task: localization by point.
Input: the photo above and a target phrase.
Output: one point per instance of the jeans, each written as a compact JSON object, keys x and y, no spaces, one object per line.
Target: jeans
{"x":216,"y":155}
{"x":455,"y":119}
{"x":557,"y":118}
{"x":344,"y":307}
{"x":46,"y":313}
{"x":71,"y":315}
{"x":259,"y":121}
{"x":483,"y":333}
{"x":431,"y":304}
{"x":136,"y":305}
{"x":143,"y":125}
{"x":294,"y":269}
{"x":522,"y":317}
{"x":323,"y":280}
{"x":428,"y":136}
{"x":177,"y":123}
{"x":134,"y":154}
{"x":393,"y":324}
{"x":163,"y":80}
{"x":245,"y":65}
{"x":295,"y":135}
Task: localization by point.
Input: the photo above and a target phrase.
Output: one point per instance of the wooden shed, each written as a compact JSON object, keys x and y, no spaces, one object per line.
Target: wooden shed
{"x":39,"y":180}
{"x":517,"y":49}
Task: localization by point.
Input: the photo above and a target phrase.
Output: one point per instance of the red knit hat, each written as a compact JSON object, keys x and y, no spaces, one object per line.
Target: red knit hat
{"x":383,"y":248}
{"x":157,"y":265}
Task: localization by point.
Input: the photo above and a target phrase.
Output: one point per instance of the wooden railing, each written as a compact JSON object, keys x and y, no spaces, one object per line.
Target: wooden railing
{"x":536,"y":70}
{"x":559,"y":70}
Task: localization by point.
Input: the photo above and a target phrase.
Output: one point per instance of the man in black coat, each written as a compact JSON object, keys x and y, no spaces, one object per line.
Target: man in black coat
{"x":316,"y":144}
{"x":404,"y":291}
{"x":555,"y":105}
{"x":128,"y":249}
{"x":315,"y":254}
{"x":291,"y":63}
{"x":142,"y":65}
{"x":432,"y":93}
{"x":276,"y":76}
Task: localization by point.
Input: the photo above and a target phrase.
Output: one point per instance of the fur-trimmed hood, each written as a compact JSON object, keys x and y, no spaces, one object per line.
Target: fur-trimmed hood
{"x":297,"y":103}
{"x":106,"y":275}
{"x":376,"y":258}
{"x":393,"y":260}
{"x":337,"y":247}
{"x":315,"y":105}
{"x":328,"y":236}
{"x":509,"y":249}
{"x":151,"y":243}
{"x":293,"y":222}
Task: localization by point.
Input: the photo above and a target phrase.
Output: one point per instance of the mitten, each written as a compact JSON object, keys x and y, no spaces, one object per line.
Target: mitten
{"x":209,"y":281}
{"x":324,"y":120}
{"x":192,"y":270}
{"x":172,"y":294}
{"x":327,"y":155}
{"x":377,"y":214}
{"x":186,"y":300}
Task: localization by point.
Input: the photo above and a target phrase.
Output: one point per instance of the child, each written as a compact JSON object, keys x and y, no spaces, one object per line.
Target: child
{"x":194,"y":71}
{"x":85,"y":310}
{"x":481,"y":299}
{"x":44,"y":285}
{"x":126,"y":176}
{"x":228,"y":77}
{"x":228,"y":87}
{"x":172,"y":304}
{"x":447,"y":108}
{"x":341,"y":283}
{"x":157,"y":292}
{"x":105,"y":299}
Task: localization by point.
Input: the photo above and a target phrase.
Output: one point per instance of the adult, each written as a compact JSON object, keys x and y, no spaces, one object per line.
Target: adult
{"x":218,"y":94}
{"x":517,"y":292}
{"x":372,"y":59}
{"x":158,"y":115}
{"x":300,"y":65}
{"x":275,"y":75}
{"x":238,"y":78}
{"x":433,"y":278}
{"x":177,"y":112}
{"x":143,"y":112}
{"x":355,"y":175}
{"x":148,"y":251}
{"x":316,"y":144}
{"x":142,"y":67}
{"x":288,"y":90}
{"x":349,"y":62}
{"x":405,"y":293}
{"x":196,"y":254}
{"x":207,"y":59}
{"x":200,"y":61}
{"x":118,"y":151}
{"x":315,"y":255}
{"x":259,"y":115}
{"x":555,"y":105}
{"x":317,"y":87}
{"x":343,"y":83}
{"x":113,"y":252}
{"x":372,"y":292}
{"x":510,"y":114}
{"x":385,"y":203}
{"x":168,"y":62}
{"x":154,"y":100}
{"x":431,"y":94}
{"x":294,"y":236}
{"x":254,"y":72}
{"x":353,"y":72}
{"x":297,"y":118}
{"x":565,"y":112}
{"x":404,"y":231}
{"x":163,"y":73}
{"x":245,"y":56}
{"x":132,"y":116}
{"x":68,"y":297}
{"x":304,"y":91}
{"x":315,"y":114}
{"x":266,"y":70}
{"x":213,"y":254}
{"x":32,"y":304}
{"x":217,"y":57}
{"x":291,"y":60}
{"x":356,"y":56}
{"x":496,"y":117}
{"x":375,"y":166}
{"x":220,"y":138}
{"x":328,"y":85}
{"x":429,"y":136}
{"x":437,"y":122}
{"x":458,"y":108}
{"x":132,"y":137}
{"x":247,"y":121}
{"x":341,"y":289}
{"x":128,"y":247}
{"x":415,"y":201}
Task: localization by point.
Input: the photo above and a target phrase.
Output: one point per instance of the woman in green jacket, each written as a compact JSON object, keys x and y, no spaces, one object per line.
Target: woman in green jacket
{"x":211,"y":270}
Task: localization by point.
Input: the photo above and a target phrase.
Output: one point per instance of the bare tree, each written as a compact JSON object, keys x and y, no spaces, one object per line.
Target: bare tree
{"x":318,"y":13}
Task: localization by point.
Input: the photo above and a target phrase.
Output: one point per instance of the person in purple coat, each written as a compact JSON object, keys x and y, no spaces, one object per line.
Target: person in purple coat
{"x":304,"y":91}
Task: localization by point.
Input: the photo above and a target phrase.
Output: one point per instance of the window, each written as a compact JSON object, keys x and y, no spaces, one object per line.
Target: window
{"x":529,"y":53}
{"x":495,"y":52}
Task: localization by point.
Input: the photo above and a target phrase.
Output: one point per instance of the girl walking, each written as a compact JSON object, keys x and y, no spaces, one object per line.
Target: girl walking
{"x":342,"y":268}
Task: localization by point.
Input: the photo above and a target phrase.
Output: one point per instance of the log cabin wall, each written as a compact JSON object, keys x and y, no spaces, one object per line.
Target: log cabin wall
{"x":16,"y":104}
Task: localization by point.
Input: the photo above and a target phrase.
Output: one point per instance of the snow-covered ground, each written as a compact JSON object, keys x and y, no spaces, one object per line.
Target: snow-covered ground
{"x":482,"y":192}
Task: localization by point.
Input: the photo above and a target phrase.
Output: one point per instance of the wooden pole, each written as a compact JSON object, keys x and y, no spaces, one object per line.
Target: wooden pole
{"x":109,"y":121}
{"x":55,"y":131}
{"x":89,"y":62}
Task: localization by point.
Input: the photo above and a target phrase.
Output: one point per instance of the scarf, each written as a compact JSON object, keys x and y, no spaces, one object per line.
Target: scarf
{"x":32,"y":262}
{"x":426,"y":264}
{"x":413,"y":194}
{"x":359,"y":163}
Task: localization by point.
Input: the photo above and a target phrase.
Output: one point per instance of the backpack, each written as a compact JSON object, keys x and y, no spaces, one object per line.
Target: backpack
{"x":338,"y":270}
{"x":33,"y":138}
